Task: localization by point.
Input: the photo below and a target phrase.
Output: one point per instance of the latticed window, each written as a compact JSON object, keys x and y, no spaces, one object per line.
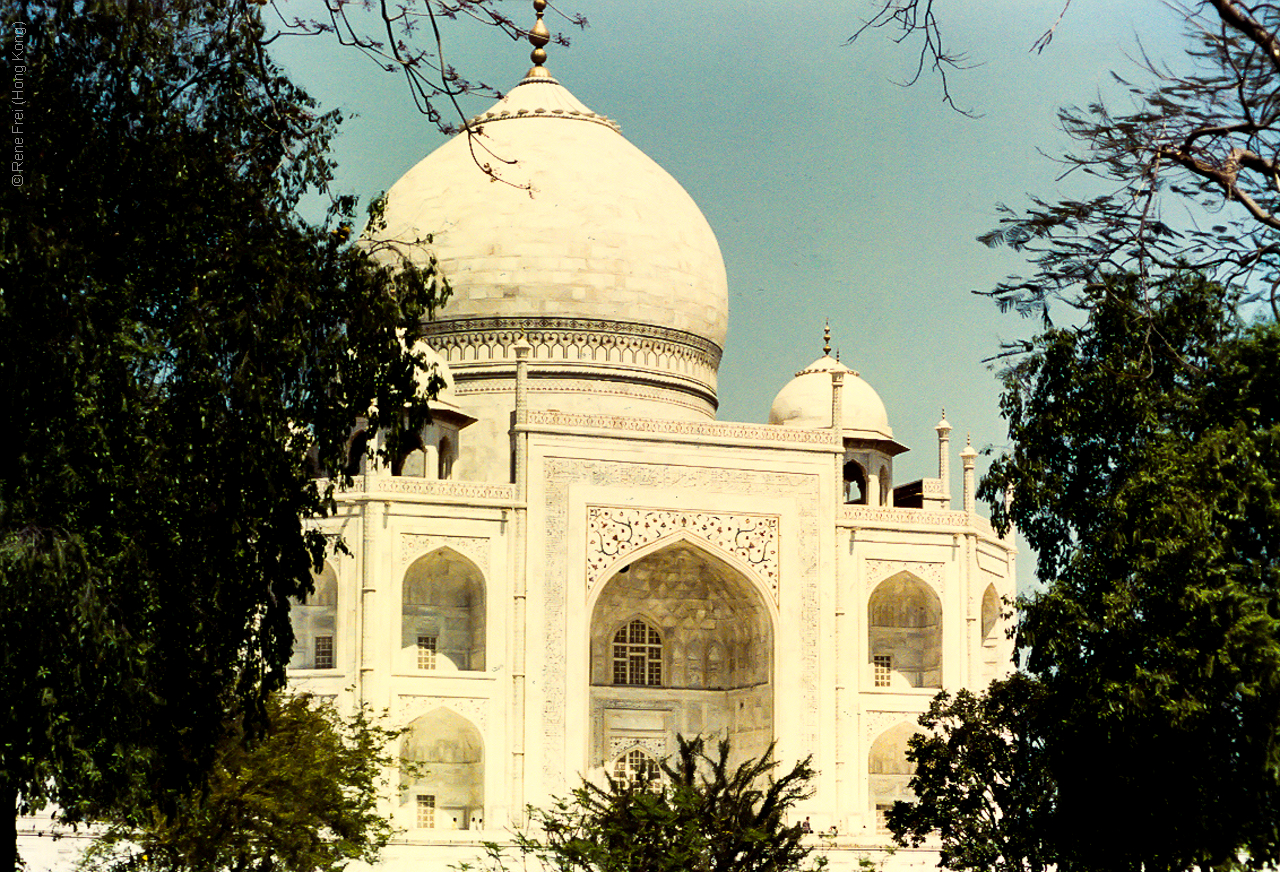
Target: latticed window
{"x":637,"y":655}
{"x":883,"y":664}
{"x":636,"y":767}
{"x":882,"y":817}
{"x":324,"y":652}
{"x":426,"y":652}
{"x":426,"y":818}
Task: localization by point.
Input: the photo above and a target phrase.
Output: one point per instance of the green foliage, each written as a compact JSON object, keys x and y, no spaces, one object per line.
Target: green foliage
{"x":981,"y":784}
{"x":702,"y":815}
{"x":1146,"y":474}
{"x":173,"y":342}
{"x":300,"y":794}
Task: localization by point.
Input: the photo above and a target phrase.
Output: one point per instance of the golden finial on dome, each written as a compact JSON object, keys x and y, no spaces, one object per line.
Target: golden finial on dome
{"x":539,"y":37}
{"x":826,"y":338}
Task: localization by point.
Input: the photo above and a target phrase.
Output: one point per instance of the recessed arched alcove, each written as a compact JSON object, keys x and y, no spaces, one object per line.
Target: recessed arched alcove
{"x":888,"y":771}
{"x":990,"y":613}
{"x":993,"y":653}
{"x":443,"y":614}
{"x":681,"y":642}
{"x":904,"y":630}
{"x":315,"y":623}
{"x":442,"y":773}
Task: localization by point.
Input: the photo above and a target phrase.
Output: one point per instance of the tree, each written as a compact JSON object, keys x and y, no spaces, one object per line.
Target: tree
{"x":1143,"y":466}
{"x":1145,"y":473}
{"x":700,"y":815}
{"x":1202,"y":141}
{"x":174,"y":341}
{"x":389,"y":35}
{"x":298,"y":794}
{"x":981,"y":784}
{"x":1183,"y":179}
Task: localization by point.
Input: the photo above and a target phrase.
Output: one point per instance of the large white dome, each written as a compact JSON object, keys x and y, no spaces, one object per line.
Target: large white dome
{"x":580,"y":239}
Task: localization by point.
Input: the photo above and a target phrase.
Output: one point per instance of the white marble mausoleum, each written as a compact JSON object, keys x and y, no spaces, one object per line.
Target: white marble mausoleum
{"x":577,"y":562}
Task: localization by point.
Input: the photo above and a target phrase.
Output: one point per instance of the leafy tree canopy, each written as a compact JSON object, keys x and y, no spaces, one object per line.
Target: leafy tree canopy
{"x":174,"y":340}
{"x":298,"y":794}
{"x":1146,"y":473}
{"x":703,"y":814}
{"x":982,"y":785}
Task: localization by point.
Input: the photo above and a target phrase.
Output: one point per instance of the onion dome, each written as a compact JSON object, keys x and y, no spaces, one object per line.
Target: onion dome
{"x":806,"y":400}
{"x":548,"y":223}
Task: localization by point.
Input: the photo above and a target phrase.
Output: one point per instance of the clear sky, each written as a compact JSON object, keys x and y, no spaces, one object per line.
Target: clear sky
{"x":834,"y":192}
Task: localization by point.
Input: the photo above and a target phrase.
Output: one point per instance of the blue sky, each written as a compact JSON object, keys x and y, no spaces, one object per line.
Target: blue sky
{"x":834,"y":192}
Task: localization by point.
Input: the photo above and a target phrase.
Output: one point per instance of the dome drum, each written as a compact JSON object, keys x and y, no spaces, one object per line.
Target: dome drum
{"x":672,"y":361}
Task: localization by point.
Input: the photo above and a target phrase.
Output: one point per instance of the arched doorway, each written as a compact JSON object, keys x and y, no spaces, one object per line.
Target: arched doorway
{"x":904,"y":630}
{"x":681,"y":642}
{"x":442,"y":773}
{"x":888,"y":771}
{"x":442,"y":614}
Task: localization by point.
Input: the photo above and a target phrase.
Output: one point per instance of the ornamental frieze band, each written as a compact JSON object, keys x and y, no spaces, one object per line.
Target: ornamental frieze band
{"x":612,"y":533}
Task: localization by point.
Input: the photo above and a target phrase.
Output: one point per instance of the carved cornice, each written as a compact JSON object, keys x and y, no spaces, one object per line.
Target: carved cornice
{"x":857,"y":515}
{"x":700,"y":401}
{"x":400,"y":484}
{"x":509,"y":329}
{"x":710,"y":430}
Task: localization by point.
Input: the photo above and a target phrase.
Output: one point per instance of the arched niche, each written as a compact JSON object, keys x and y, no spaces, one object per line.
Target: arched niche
{"x":990,"y":614}
{"x":888,"y":770}
{"x":855,"y":483}
{"x":315,"y":623}
{"x":904,"y":629}
{"x":443,"y":614}
{"x":442,"y":773}
{"x":715,"y":632}
{"x":445,"y":457}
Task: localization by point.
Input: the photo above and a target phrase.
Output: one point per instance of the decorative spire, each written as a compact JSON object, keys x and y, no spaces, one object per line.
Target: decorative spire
{"x":538,"y":37}
{"x":826,"y":338}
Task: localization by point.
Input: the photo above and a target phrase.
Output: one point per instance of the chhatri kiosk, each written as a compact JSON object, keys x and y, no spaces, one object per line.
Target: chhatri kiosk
{"x":577,"y":561}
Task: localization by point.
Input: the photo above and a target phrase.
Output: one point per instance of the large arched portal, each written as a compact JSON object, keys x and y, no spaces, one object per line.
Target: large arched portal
{"x":680,"y":643}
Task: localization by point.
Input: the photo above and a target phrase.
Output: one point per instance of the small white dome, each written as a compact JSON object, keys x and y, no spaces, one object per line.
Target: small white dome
{"x":806,"y":402}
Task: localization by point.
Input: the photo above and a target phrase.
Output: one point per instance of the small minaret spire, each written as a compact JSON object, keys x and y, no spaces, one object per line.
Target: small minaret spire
{"x":826,"y":338}
{"x":944,"y":464}
{"x":539,"y":37}
{"x":967,"y":457}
